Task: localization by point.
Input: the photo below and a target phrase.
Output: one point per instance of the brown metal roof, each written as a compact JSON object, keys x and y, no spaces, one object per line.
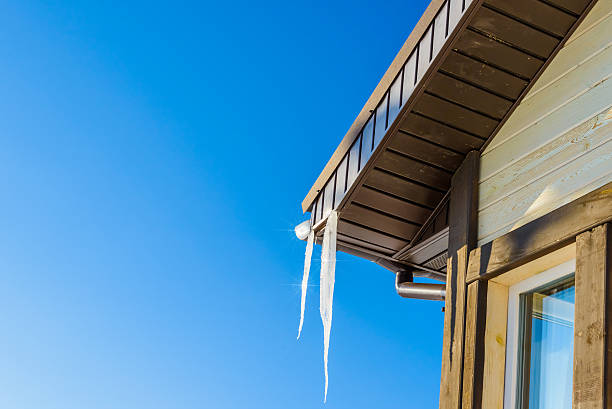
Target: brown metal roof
{"x":457,"y":79}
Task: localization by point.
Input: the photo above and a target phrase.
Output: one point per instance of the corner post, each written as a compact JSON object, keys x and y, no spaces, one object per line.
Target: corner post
{"x":463,"y":207}
{"x":592,"y":343}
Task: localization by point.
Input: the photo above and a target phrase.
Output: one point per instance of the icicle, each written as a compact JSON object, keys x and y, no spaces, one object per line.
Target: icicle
{"x":328,"y":274}
{"x":309,"y":246}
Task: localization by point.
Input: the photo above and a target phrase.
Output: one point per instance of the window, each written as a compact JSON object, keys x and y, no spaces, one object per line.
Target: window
{"x":539,"y":354}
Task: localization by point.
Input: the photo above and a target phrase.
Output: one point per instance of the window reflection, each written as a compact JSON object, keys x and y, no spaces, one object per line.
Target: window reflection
{"x":548,"y":347}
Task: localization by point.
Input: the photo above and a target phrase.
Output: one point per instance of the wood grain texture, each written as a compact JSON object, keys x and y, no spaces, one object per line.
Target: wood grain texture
{"x":495,"y":346}
{"x":462,"y":238}
{"x":557,"y":144}
{"x":549,"y":184}
{"x":592,"y":324}
{"x":473,"y":355}
{"x":540,"y":236}
{"x":452,"y":344}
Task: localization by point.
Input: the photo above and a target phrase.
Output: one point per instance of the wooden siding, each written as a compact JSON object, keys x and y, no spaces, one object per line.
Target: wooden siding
{"x":557,"y":145}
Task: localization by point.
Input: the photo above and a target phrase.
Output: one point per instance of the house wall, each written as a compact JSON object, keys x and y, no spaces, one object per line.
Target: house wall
{"x":557,"y":145}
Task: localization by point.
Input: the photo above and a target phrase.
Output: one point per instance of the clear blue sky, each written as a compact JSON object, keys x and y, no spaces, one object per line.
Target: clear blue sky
{"x":154,"y":157}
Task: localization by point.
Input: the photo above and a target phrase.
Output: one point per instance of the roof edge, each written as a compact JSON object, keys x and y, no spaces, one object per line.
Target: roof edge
{"x":379,"y":91}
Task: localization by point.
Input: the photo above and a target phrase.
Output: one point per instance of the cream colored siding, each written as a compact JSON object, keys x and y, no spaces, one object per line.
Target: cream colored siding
{"x":557,"y":145}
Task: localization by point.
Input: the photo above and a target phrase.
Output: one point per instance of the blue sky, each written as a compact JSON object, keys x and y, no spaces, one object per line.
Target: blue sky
{"x":154,"y":158}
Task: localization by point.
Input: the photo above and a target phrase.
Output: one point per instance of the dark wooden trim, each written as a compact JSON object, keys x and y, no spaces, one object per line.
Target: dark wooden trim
{"x":463,"y":205}
{"x":474,"y":350}
{"x":543,"y":235}
{"x":462,"y":238}
{"x":592,"y":323}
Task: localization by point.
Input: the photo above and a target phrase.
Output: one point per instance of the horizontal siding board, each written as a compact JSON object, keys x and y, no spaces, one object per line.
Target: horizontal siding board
{"x":536,"y":13}
{"x":468,"y":96}
{"x":513,"y":32}
{"x":594,"y":41}
{"x":484,"y":76}
{"x":604,"y":10}
{"x":557,"y":145}
{"x":573,"y":99}
{"x":391,"y":205}
{"x":497,"y":54}
{"x":455,"y":115}
{"x":425,"y":151}
{"x":439,"y":133}
{"x":557,"y":153}
{"x":414,"y":170}
{"x":399,"y":187}
{"x":576,"y":179}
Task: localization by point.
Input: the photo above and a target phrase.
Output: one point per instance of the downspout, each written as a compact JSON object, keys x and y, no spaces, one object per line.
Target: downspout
{"x":407,"y":288}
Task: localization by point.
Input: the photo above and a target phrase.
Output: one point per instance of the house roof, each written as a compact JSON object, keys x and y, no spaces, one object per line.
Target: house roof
{"x":461,"y":72}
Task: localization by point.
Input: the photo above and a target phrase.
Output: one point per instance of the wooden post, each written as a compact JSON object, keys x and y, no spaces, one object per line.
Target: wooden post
{"x":462,"y":239}
{"x":592,"y":344}
{"x":473,"y":360}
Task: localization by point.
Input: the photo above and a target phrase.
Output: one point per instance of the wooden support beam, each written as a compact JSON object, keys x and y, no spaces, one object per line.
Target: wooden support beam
{"x":592,"y":338}
{"x":462,"y":238}
{"x":543,"y":235}
{"x":473,"y":356}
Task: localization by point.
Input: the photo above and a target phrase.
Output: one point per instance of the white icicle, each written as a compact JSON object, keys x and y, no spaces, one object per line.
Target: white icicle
{"x":328,"y":276}
{"x":307,"y":259}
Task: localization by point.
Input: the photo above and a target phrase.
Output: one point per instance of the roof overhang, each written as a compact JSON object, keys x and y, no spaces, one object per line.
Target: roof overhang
{"x":457,"y":78}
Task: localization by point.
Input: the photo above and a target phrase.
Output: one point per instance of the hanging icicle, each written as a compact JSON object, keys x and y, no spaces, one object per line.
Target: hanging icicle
{"x":328,"y":276}
{"x":307,"y":259}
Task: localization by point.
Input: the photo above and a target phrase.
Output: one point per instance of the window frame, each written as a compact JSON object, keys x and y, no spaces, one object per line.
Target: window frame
{"x":513,"y":331}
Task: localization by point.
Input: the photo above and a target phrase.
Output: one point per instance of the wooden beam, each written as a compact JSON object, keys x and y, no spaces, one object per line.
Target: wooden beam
{"x":495,"y":346}
{"x":473,"y":358}
{"x":543,"y":235}
{"x":462,"y":238}
{"x":592,"y":324}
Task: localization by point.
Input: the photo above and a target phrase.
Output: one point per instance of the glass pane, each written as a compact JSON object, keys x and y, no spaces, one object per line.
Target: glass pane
{"x":549,"y":347}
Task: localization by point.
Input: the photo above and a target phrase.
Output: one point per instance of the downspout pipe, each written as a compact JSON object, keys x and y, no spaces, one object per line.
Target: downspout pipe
{"x":407,"y":288}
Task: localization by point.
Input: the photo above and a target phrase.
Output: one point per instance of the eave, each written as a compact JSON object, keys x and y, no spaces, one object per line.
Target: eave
{"x":456,"y":80}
